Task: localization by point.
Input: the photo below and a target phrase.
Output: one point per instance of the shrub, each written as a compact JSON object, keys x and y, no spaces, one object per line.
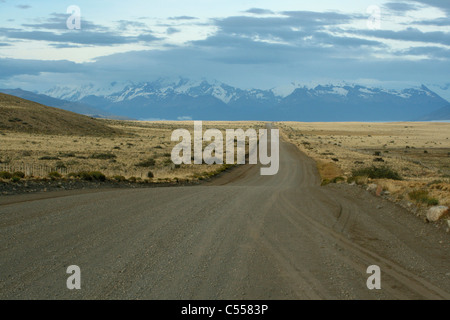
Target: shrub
{"x":15,"y":179}
{"x":68,"y":155}
{"x":119,"y":178}
{"x":54,"y":175}
{"x":103,"y":156}
{"x":5,"y":175}
{"x":146,"y":163}
{"x":337,"y":179}
{"x":89,"y":176}
{"x":132,"y":179}
{"x":19,"y":174}
{"x":49,"y":158}
{"x":150,"y":174}
{"x":97,"y":175}
{"x":373,"y":172}
{"x":422,"y":196}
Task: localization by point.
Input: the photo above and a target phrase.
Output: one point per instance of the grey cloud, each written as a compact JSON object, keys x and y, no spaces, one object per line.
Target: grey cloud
{"x":259,"y":11}
{"x":172,"y":30}
{"x":23,"y":6}
{"x":183,"y":18}
{"x":441,"y":4}
{"x":57,"y":21}
{"x":410,"y":34}
{"x":430,"y":52}
{"x":13,"y":67}
{"x":400,"y":7}
{"x":440,"y":22}
{"x":125,"y":24}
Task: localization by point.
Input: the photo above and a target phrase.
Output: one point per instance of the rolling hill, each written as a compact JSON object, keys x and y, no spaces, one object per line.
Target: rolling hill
{"x":20,"y":115}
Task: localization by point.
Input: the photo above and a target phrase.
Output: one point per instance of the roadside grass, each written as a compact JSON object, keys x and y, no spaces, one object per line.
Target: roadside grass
{"x":422,"y":196}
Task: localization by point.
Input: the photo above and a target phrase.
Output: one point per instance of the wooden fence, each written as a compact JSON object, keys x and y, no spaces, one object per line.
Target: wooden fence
{"x":34,"y":169}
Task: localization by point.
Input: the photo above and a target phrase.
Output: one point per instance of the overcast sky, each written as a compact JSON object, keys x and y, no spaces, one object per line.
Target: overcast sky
{"x":250,"y":44}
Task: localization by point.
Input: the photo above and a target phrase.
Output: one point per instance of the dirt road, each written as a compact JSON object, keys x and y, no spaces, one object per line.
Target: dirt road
{"x":243,"y":236}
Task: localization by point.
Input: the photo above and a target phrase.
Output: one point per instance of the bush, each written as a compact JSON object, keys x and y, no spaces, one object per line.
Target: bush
{"x":146,"y":163}
{"x":373,"y":172}
{"x":49,"y":158}
{"x":119,"y":178}
{"x":54,"y":175}
{"x":103,"y":156}
{"x":15,"y":179}
{"x":5,"y":175}
{"x":19,"y":174}
{"x":97,"y":175}
{"x":150,"y":174}
{"x":422,"y":196}
{"x":89,"y":176}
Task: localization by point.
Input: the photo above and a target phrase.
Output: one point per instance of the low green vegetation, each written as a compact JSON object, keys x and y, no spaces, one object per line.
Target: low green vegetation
{"x":373,"y":172}
{"x":422,"y":196}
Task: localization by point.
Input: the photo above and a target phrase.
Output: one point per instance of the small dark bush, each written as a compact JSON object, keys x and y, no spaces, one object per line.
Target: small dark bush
{"x":146,"y":163}
{"x":373,"y":172}
{"x":377,"y":153}
{"x":15,"y":179}
{"x":68,"y":155}
{"x":19,"y":174}
{"x":49,"y":158}
{"x":103,"y":156}
{"x":54,"y":175}
{"x":119,"y":178}
{"x":90,"y":176}
{"x":97,"y":175}
{"x":378,"y":160}
{"x":150,"y":174}
{"x":5,"y":175}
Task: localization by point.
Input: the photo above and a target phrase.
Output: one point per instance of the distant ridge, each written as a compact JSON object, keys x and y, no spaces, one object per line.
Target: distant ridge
{"x":174,"y":99}
{"x":440,"y":114}
{"x":20,"y":115}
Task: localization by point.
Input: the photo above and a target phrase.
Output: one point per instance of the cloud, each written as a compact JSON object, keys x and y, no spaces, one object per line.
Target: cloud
{"x":440,"y":4}
{"x":172,"y":30}
{"x":401,"y":7}
{"x":259,"y":11}
{"x":14,"y":67}
{"x":409,"y":34}
{"x":439,"y":22}
{"x":23,"y":6}
{"x":430,"y":52}
{"x":57,"y":21}
{"x":183,"y":18}
{"x":54,"y":29}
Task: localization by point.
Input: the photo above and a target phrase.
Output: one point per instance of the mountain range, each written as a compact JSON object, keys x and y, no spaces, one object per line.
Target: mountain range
{"x":183,"y":99}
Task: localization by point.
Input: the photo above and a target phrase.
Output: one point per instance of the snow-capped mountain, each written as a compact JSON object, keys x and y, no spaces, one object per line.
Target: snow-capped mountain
{"x":201,"y":99}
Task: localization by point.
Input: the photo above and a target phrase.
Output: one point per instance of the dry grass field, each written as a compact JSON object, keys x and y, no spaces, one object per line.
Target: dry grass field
{"x":140,"y":148}
{"x":418,"y":152}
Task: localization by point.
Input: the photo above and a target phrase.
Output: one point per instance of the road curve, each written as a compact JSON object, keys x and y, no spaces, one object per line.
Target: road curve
{"x":242,"y":236}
